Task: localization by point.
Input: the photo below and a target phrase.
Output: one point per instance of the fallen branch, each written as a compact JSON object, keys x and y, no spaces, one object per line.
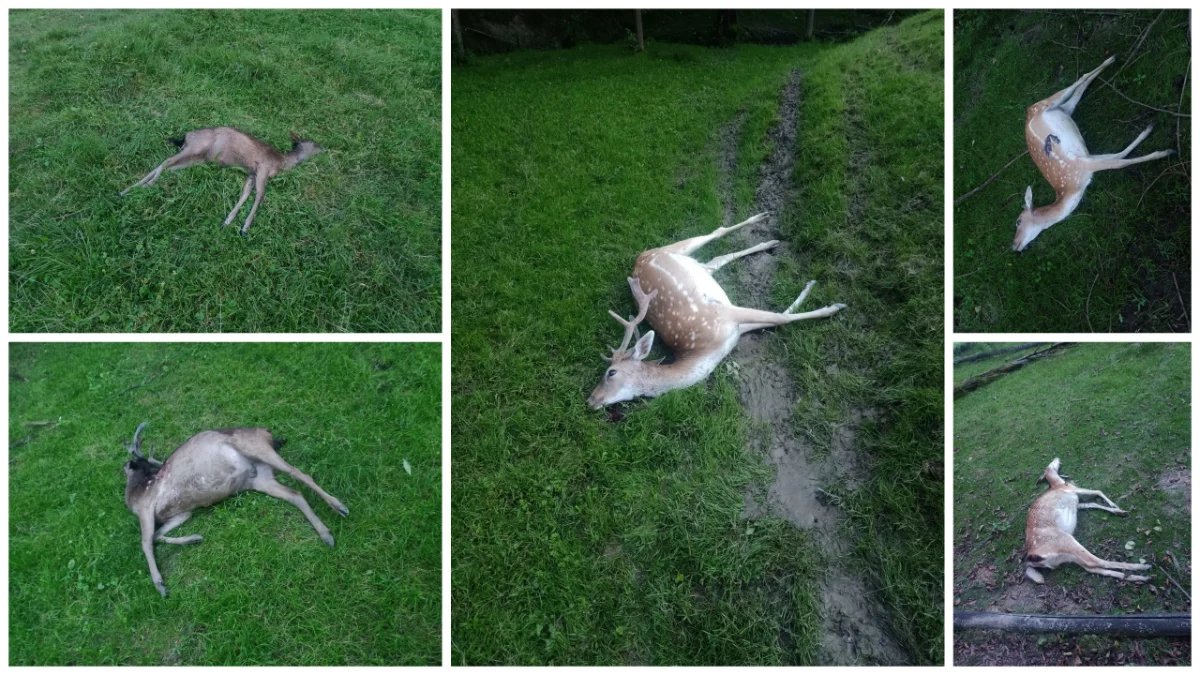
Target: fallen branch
{"x":1122,"y":95}
{"x":1140,"y":625}
{"x":1172,"y":580}
{"x":985,"y":183}
{"x":972,"y":383}
{"x":995,"y":352}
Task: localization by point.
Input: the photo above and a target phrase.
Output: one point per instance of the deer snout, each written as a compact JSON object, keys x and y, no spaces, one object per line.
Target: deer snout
{"x":595,"y":401}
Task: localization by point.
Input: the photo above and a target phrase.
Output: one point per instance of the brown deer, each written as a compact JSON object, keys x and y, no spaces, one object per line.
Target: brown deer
{"x":1058,"y":150}
{"x":691,"y":311}
{"x":209,"y":467}
{"x":1051,"y":524}
{"x":229,"y":147}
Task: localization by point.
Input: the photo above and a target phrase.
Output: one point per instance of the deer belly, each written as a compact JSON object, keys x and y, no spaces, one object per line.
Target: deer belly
{"x":1058,"y":150}
{"x":1066,"y":513}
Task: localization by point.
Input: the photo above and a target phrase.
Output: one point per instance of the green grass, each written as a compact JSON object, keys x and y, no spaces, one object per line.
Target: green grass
{"x":577,"y":541}
{"x":261,"y":589}
{"x":1121,"y":262}
{"x":348,"y":241}
{"x":1118,"y":416}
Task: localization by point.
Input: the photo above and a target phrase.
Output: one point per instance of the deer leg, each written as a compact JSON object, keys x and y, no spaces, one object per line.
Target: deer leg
{"x":1097,"y":493}
{"x":238,"y":206}
{"x":687,"y":246}
{"x":1124,"y":153}
{"x":723,"y":260}
{"x":268,"y":456}
{"x":146,"y":518}
{"x":1102,"y":507}
{"x":152,"y":176}
{"x":1094,"y":164}
{"x":754,"y":319}
{"x":1076,"y":553}
{"x":1117,"y":575}
{"x":1069,"y":97}
{"x":260,"y":187}
{"x":267,"y":484}
{"x":172,"y":523}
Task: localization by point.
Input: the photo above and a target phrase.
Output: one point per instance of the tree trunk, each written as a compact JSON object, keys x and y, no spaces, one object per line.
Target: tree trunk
{"x":459,"y":50}
{"x":995,"y":352}
{"x":812,"y":19}
{"x":637,"y":14}
{"x":1140,"y":625}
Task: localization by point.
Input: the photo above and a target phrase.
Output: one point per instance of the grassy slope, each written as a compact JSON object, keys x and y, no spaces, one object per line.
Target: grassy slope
{"x":349,"y":241}
{"x":261,"y":588}
{"x":870,"y":229}
{"x":1114,"y":264}
{"x":1118,"y":417}
{"x":579,"y":541}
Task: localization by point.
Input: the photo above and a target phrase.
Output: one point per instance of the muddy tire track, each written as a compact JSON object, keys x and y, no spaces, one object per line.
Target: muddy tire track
{"x":854,"y":624}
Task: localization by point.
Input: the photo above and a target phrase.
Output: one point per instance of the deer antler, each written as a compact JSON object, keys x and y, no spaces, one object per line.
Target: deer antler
{"x":643,"y":301}
{"x":135,"y":446}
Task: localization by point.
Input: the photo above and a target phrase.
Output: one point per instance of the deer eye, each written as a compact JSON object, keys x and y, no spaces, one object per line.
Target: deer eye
{"x":612,"y":373}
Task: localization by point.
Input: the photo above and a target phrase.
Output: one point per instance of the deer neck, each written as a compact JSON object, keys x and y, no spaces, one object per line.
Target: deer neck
{"x":687,"y":369}
{"x":1064,"y":204}
{"x":291,"y":159}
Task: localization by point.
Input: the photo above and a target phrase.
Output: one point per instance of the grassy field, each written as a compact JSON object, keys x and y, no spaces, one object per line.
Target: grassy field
{"x":1117,"y":415}
{"x":1121,"y":262}
{"x":261,"y":589}
{"x":582,"y":541}
{"x":349,"y":241}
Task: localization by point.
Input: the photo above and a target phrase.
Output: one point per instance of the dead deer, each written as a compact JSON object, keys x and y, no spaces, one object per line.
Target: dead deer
{"x":1051,"y":524}
{"x":209,"y":467}
{"x":1058,"y":150}
{"x":692,"y":313}
{"x":229,"y":147}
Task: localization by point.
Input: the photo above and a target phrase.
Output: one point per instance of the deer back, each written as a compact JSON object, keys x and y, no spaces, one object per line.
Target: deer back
{"x":208,"y":468}
{"x":230,"y":147}
{"x":689,"y":312}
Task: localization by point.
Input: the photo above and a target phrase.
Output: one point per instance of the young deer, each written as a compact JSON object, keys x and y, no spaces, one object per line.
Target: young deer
{"x":209,"y":467}
{"x":1051,"y":524}
{"x":1060,"y":154}
{"x":692,"y":313}
{"x":229,"y":147}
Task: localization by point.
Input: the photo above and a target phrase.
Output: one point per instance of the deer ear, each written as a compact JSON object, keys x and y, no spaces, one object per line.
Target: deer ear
{"x":642,"y":349}
{"x":1029,"y":197}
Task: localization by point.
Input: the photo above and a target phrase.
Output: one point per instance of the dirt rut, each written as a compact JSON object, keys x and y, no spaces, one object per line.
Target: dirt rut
{"x":854,"y":625}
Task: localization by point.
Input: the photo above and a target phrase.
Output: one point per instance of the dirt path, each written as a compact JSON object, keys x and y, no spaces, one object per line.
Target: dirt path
{"x":854,"y":627}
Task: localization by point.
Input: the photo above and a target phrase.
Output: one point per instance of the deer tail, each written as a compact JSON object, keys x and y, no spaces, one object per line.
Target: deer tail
{"x":177,"y":141}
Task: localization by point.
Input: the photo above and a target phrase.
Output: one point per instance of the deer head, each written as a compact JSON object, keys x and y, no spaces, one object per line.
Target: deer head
{"x":303,"y":148}
{"x":1028,"y":223}
{"x":622,"y":380}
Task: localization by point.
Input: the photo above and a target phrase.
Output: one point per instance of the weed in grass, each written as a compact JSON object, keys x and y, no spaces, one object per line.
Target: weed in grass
{"x":261,"y":589}
{"x":582,"y":541}
{"x":1120,"y":263}
{"x":1118,"y":416}
{"x":349,"y":241}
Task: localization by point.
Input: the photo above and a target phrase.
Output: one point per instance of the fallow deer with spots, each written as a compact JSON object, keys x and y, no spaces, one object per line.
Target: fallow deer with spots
{"x":209,"y":467}
{"x":692,"y":313}
{"x":1050,"y":528}
{"x":1058,"y":150}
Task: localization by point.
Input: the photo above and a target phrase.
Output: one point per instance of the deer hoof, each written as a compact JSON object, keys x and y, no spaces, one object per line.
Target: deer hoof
{"x":340,"y":508}
{"x":328,"y":539}
{"x":162,"y":589}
